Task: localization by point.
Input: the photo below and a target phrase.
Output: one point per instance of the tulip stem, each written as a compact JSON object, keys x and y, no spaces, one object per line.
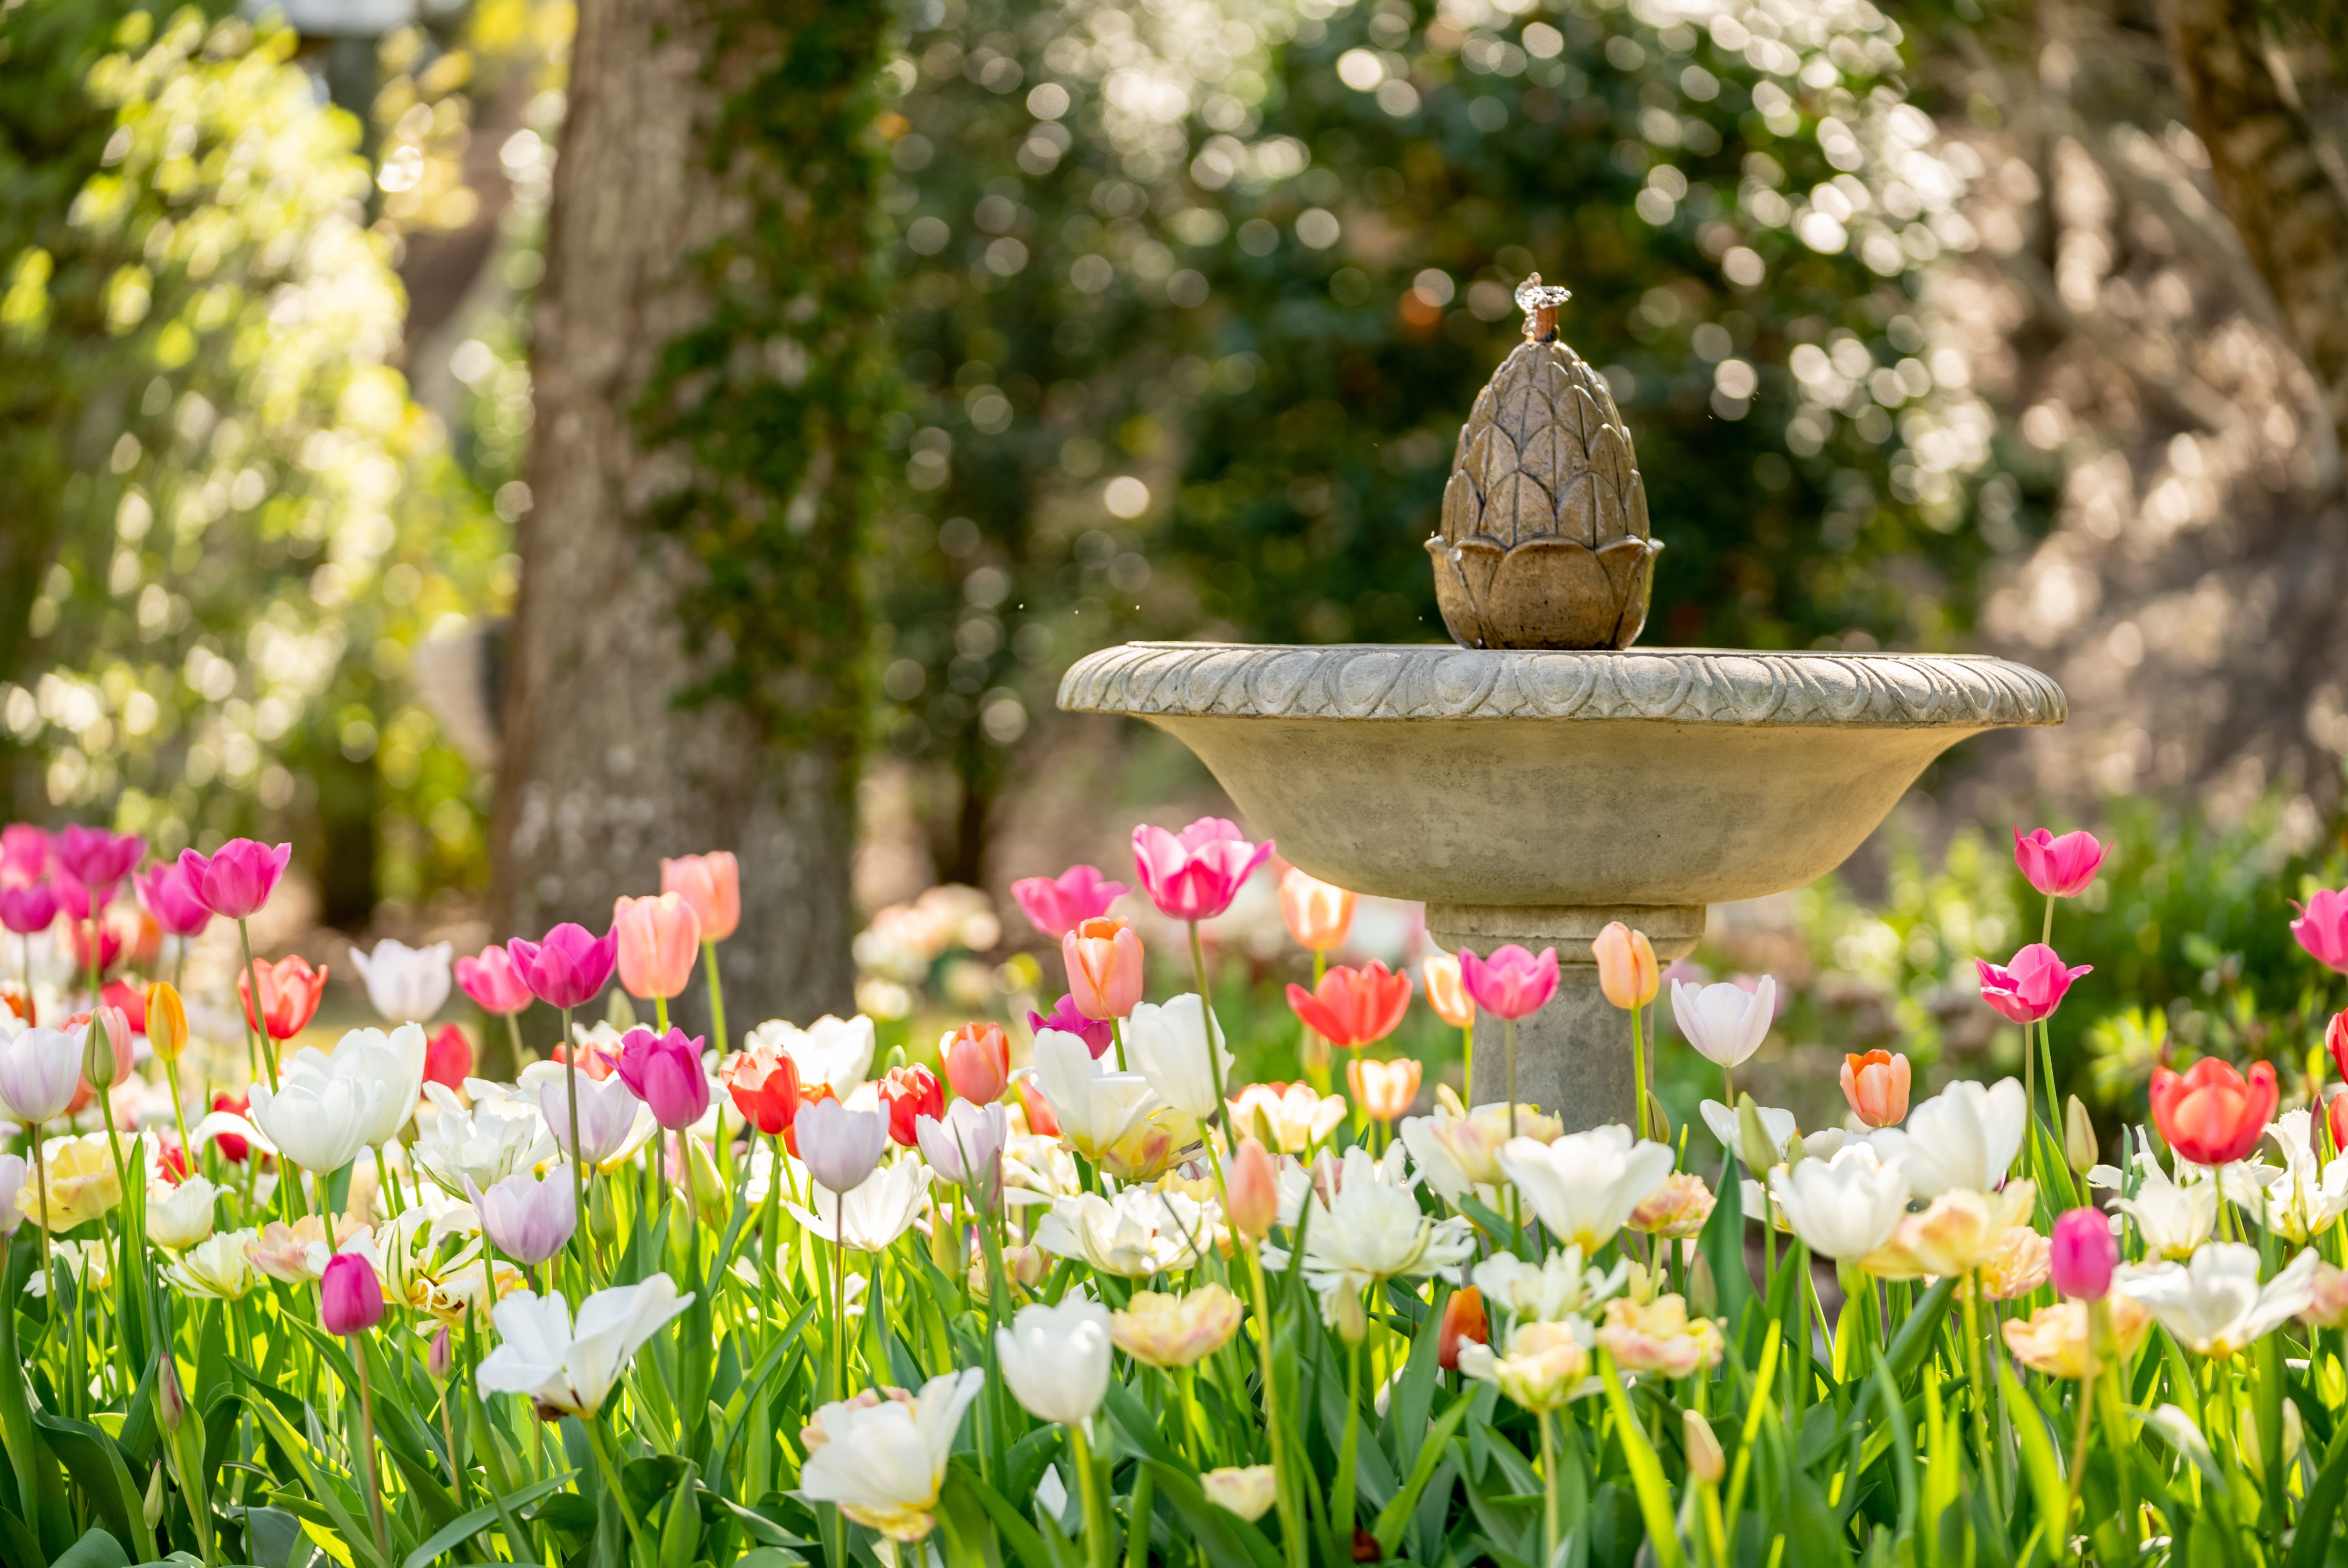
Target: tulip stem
{"x":716,"y":996}
{"x":577,"y":1178}
{"x":256,"y":1014}
{"x":1509,"y":1058}
{"x":367,"y":1444}
{"x":1638,"y":1067}
{"x":1206,"y":1026}
{"x":660,"y":1013}
{"x":1291,"y":1525}
{"x":513,"y":1034}
{"x":1549,"y":1486}
{"x":1467,"y":1061}
{"x":1099,"y":1550}
{"x":32,"y":1012}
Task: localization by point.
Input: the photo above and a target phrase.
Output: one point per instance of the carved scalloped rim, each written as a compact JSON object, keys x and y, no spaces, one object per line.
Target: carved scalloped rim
{"x":1681,"y":685}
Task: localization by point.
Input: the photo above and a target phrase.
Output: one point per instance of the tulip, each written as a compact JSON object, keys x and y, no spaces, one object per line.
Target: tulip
{"x":711,"y":886}
{"x":395,"y":1062}
{"x":108,"y":947}
{"x":2211,"y":1114}
{"x":911,"y":1094}
{"x":1876,"y":1086}
{"x":97,"y":858}
{"x":77,"y":1182}
{"x":2029,"y":987}
{"x":1546,"y":1367}
{"x":1194,"y":874}
{"x":977,"y":1058}
{"x":12,"y":1181}
{"x":1248,"y":1491}
{"x":179,"y":1218}
{"x":2323,"y":928}
{"x":1676,"y":1210}
{"x":317,"y":1118}
{"x":26,"y":854}
{"x":2082,"y":1254}
{"x":1056,"y":1360}
{"x":765,"y":1084}
{"x":1290,"y":1117}
{"x":1097,"y":1033}
{"x":1627,"y":973}
{"x":839,"y":1146}
{"x":1168,"y":1331}
{"x":1957,"y":1232}
{"x":1706,"y":1460}
{"x":1318,"y":913}
{"x":448,"y":1057}
{"x":1585,"y":1185}
{"x":1459,"y":1151}
{"x":1446,"y":992}
{"x":496,"y":1139}
{"x":405,"y":984}
{"x":1463,"y":1324}
{"x":1036,"y":1107}
{"x":2058,"y":867}
{"x":1965,"y":1137}
{"x":527,"y":1217}
{"x":1134,"y":1235}
{"x":659,"y":938}
{"x":1353,"y":1007}
{"x":105,"y":1049}
{"x":40,"y":1069}
{"x":2056,"y":1340}
{"x":298,"y":1254}
{"x":1104,"y":963}
{"x":2215,"y":1305}
{"x":665,"y":1072}
{"x":964,"y":1147}
{"x":350,"y":1296}
{"x":1658,"y":1336}
{"x":871,"y":1216}
{"x":1251,"y":1191}
{"x":1386,"y":1089}
{"x":494,"y":981}
{"x":166,"y":892}
{"x":883,"y":1460}
{"x":28,"y":909}
{"x":166,"y":1021}
{"x":217,"y":1269}
{"x":569,"y":967}
{"x":1511,"y":983}
{"x":2335,"y":1041}
{"x":831,"y":1050}
{"x":2081,"y":1148}
{"x":290,"y":993}
{"x":1558,"y":1289}
{"x":2335,"y":1118}
{"x":1725,"y":1023}
{"x":232,"y":1147}
{"x":1845,"y":1207}
{"x":237,"y":880}
{"x":570,"y":1370}
{"x":1168,"y":1046}
{"x":1059,"y":905}
{"x":1371,"y":1232}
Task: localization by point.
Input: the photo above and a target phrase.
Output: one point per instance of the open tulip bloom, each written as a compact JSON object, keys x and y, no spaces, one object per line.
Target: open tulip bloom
{"x":1112,"y":1292}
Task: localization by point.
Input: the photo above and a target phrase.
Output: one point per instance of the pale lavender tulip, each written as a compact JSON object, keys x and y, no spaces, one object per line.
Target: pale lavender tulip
{"x":965,"y":1147}
{"x":608,"y":1110}
{"x":39,"y":1071}
{"x":12,"y":1181}
{"x":839,"y":1146}
{"x":529,"y":1219}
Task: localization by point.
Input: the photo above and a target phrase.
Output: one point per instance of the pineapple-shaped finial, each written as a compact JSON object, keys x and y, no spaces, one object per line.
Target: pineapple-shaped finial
{"x":1544,"y":539}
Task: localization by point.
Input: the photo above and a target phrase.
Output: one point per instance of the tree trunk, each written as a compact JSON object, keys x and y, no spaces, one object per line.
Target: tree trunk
{"x":2270,"y":172}
{"x":639,"y":720}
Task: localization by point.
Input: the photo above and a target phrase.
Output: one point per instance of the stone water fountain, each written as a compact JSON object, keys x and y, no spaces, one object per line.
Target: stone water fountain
{"x":1543,"y":776}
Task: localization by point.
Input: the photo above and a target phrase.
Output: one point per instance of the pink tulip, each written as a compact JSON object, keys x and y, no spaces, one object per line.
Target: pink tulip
{"x":494,"y":981}
{"x":97,"y":858}
{"x":977,"y":1059}
{"x":1195,"y":875}
{"x":569,"y":967}
{"x":24,"y":854}
{"x":28,"y":907}
{"x":2323,"y":928}
{"x":1095,"y":1032}
{"x":659,"y":941}
{"x":528,"y":1218}
{"x":2058,"y":867}
{"x":1104,"y":961}
{"x":712,"y":884}
{"x":1511,"y":983}
{"x":166,"y":892}
{"x":2084,"y":1254}
{"x":2028,"y":986}
{"x":72,"y":899}
{"x":350,"y":1297}
{"x":1058,"y":905}
{"x":238,"y":880}
{"x":665,"y":1072}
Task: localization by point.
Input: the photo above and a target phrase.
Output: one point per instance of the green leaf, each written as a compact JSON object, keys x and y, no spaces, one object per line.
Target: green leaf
{"x":96,"y":1549}
{"x":1722,"y":1244}
{"x":1229,"y":1541}
{"x":681,"y":1531}
{"x":95,"y":1465}
{"x":1655,"y":1493}
{"x":2038,"y":1462}
{"x":2314,"y":1538}
{"x":468,"y":1526}
{"x":1395,"y":1515}
{"x":1025,"y":1543}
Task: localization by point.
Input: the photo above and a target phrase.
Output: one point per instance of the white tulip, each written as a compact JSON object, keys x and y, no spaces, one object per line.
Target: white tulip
{"x":1725,"y":1022}
{"x":1547,"y":1292}
{"x":407,"y":985}
{"x":966,"y":1147}
{"x":834,"y":1050}
{"x":1962,"y":1139}
{"x":179,"y":1218}
{"x":1139,"y":1232}
{"x":882,"y":1459}
{"x":500,"y":1135}
{"x":1168,"y":1046}
{"x":396,"y":1060}
{"x":1845,"y":1207}
{"x":1722,"y":1122}
{"x":612,"y":1123}
{"x":12,"y":1181}
{"x":872,"y":1214}
{"x":1056,"y":1360}
{"x":218,"y":1269}
{"x":1374,"y":1231}
{"x":1585,"y":1185}
{"x":1095,"y":1107}
{"x":2306,"y":1196}
{"x":317,"y":1118}
{"x":2172,"y":1217}
{"x":2215,"y":1305}
{"x":571,"y":1369}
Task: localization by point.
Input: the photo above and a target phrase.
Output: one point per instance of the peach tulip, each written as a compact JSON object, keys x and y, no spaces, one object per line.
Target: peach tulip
{"x":660,"y":938}
{"x":1103,"y":959}
{"x":1876,"y":1084}
{"x":1626,"y":965}
{"x":1385,"y":1089}
{"x":712,"y":885}
{"x":977,"y":1059}
{"x":1251,"y":1190}
{"x":1446,"y":993}
{"x":1318,"y":913}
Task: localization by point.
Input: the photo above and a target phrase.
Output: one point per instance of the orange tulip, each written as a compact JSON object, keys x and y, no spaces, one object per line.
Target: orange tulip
{"x":167,"y":1021}
{"x":1444,"y":993}
{"x":1103,"y":959}
{"x":1463,"y":1319}
{"x":1318,"y":913}
{"x":1626,"y":965}
{"x":712,"y":884}
{"x":660,"y":938}
{"x":290,"y":992}
{"x":1386,"y":1089}
{"x":1876,"y":1084}
{"x":1353,"y":1007}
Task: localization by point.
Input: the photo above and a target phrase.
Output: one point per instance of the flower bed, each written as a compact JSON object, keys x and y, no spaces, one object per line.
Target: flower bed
{"x":663,"y":1301}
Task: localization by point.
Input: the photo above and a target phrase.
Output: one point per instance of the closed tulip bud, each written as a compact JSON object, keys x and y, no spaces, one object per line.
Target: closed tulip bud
{"x":977,"y":1059}
{"x":441,"y":1356}
{"x":1794,"y":1150}
{"x":170,"y":1401}
{"x":1252,"y":1191}
{"x":99,"y":1064}
{"x":1463,"y":1319}
{"x":1627,"y":971}
{"x":1703,"y":1287}
{"x":1704,"y":1459}
{"x":167,"y":1021}
{"x":602,"y":1223}
{"x":1659,"y":1125}
{"x":2082,"y":1254}
{"x":151,"y":1506}
{"x":350,"y":1296}
{"x":1754,"y":1145}
{"x":2080,"y":1145}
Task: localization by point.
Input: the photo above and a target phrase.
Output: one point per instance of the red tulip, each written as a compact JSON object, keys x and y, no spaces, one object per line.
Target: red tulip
{"x":2058,"y":867}
{"x":1058,"y":905}
{"x":2335,"y":1041}
{"x":231,"y":1145}
{"x":1353,"y":1007}
{"x":2028,"y":986}
{"x":290,"y":993}
{"x":1038,"y":1110}
{"x":2335,"y":1116}
{"x":1196,"y":873}
{"x":911,"y":1093}
{"x":2212,"y":1115}
{"x":448,"y":1058}
{"x":764,"y":1083}
{"x":131,"y":1000}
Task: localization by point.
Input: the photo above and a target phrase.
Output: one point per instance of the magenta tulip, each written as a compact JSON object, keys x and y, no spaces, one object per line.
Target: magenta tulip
{"x":29,"y":907}
{"x":24,"y":854}
{"x":72,"y":899}
{"x":2028,"y":986}
{"x":238,"y":879}
{"x":1058,"y":905}
{"x":1510,"y":983}
{"x":2084,"y":1254}
{"x":2323,"y":928}
{"x":665,"y":1072}
{"x":2058,"y":867}
{"x":570,"y":968}
{"x":1097,"y":1033}
{"x":493,"y":981}
{"x":350,"y":1297}
{"x":97,"y":858}
{"x":166,"y":892}
{"x":1196,"y":873}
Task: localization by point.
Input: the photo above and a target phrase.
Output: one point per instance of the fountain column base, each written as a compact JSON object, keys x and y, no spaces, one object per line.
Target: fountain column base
{"x":1573,"y":1057}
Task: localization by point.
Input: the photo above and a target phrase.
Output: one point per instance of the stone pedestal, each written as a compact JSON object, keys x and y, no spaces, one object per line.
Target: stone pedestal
{"x":1573,"y":1057}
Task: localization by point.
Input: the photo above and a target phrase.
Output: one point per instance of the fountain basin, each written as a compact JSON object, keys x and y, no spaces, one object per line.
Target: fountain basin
{"x":1531,"y":796}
